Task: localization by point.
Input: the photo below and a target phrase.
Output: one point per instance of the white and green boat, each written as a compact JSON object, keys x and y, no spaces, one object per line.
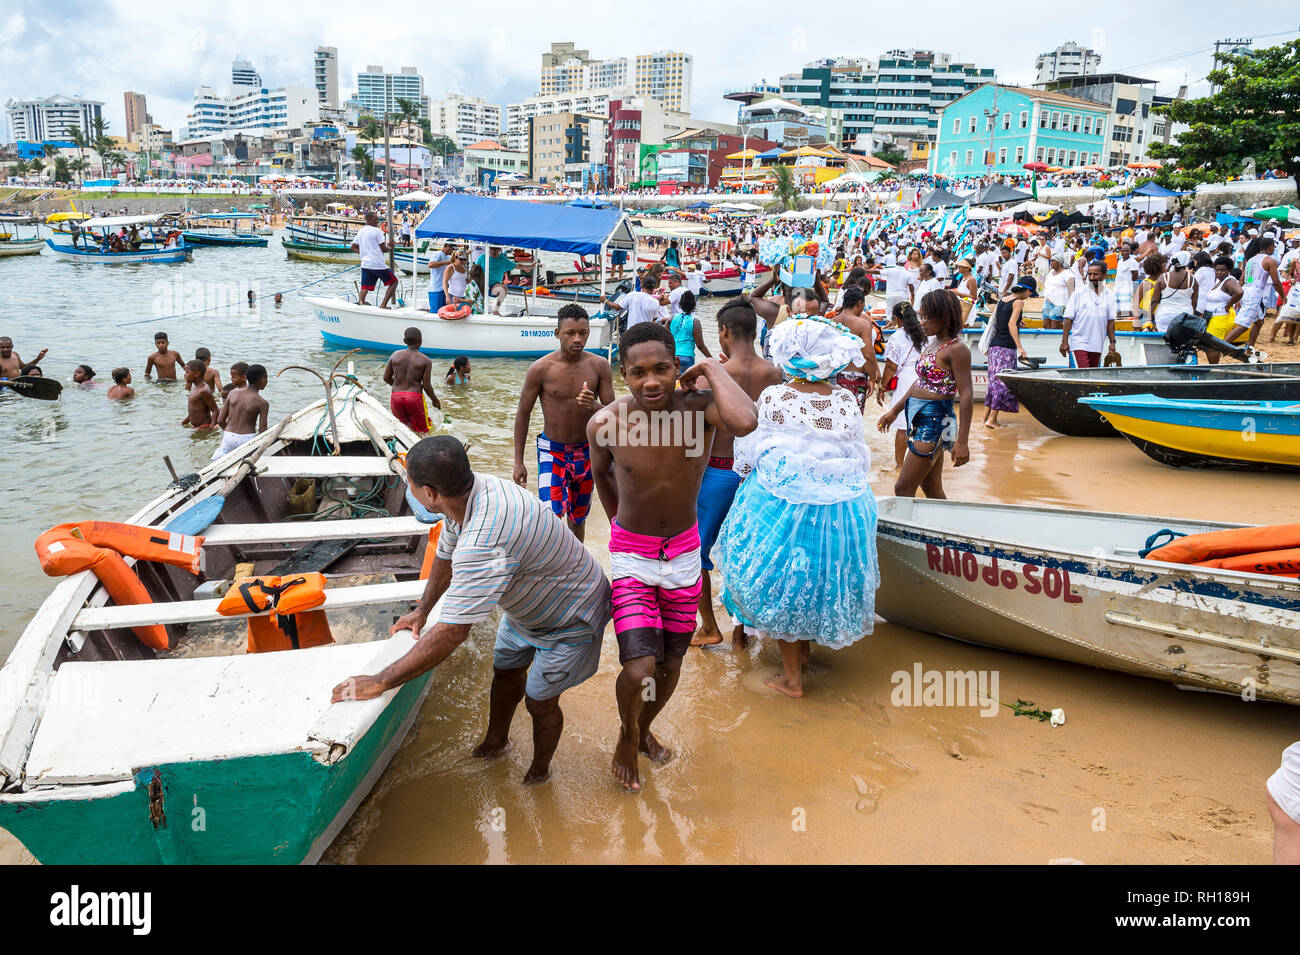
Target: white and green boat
{"x":111,"y":752}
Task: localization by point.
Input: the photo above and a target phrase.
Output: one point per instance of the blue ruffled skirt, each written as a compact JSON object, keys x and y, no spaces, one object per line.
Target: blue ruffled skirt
{"x":801,"y":571}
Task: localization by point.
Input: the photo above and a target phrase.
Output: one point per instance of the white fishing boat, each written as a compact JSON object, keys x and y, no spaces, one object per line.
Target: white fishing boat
{"x":13,"y":241}
{"x":526,"y":327}
{"x":98,"y":240}
{"x":204,"y":752}
{"x":1073,"y":586}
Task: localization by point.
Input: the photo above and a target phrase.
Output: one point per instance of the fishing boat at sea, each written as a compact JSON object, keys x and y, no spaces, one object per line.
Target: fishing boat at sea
{"x":1203,"y":433}
{"x":203,"y":750}
{"x":13,"y":241}
{"x":1073,"y":586}
{"x":224,"y":229}
{"x":1052,"y":395}
{"x":526,"y":327}
{"x":96,"y":240}
{"x":335,"y":253}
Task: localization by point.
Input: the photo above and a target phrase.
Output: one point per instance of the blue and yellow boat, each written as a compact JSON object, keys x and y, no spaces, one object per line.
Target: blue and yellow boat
{"x":1247,"y":435}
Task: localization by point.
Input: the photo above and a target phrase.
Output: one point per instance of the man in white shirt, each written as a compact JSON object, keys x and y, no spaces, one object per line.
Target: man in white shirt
{"x":370,"y":243}
{"x":985,"y":262}
{"x":900,"y":286}
{"x":1089,"y":319}
{"x":675,"y":292}
{"x":695,"y":281}
{"x":642,"y":306}
{"x":1008,"y":271}
{"x":439,"y":261}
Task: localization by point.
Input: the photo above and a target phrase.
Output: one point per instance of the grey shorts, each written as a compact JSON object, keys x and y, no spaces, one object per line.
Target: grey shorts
{"x":554,"y":670}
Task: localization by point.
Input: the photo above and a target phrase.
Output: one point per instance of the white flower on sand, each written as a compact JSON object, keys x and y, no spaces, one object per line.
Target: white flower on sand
{"x":1058,"y":717}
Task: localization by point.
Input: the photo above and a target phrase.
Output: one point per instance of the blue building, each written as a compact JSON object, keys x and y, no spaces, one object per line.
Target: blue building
{"x":997,"y":129}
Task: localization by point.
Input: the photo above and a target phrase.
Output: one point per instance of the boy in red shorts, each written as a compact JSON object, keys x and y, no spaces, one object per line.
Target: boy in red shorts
{"x":408,"y":372}
{"x":648,"y":454}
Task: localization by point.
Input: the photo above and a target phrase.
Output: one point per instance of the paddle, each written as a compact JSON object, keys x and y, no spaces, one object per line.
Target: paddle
{"x":196,"y":519}
{"x":422,"y":513}
{"x":34,"y":386}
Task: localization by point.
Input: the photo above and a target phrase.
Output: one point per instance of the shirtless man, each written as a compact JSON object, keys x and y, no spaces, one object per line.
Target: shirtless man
{"x":243,"y":415}
{"x":564,"y":381}
{"x":859,"y":379}
{"x":648,"y":458}
{"x":121,"y":386}
{"x":211,"y":377}
{"x":202,"y":406}
{"x":408,"y":372}
{"x":737,"y":330}
{"x":11,"y":365}
{"x":164,"y":360}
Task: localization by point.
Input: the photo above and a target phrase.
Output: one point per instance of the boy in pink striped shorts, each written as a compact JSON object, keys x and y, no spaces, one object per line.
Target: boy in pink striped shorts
{"x":648,"y":453}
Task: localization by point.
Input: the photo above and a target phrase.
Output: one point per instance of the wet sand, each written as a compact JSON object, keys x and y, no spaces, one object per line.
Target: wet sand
{"x":1140,"y":773}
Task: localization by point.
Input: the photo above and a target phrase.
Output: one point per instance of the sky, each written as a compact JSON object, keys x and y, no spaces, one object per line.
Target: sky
{"x":100,"y":50}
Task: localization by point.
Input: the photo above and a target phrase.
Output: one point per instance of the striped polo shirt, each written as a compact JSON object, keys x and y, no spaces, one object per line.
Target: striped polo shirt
{"x":514,"y":552}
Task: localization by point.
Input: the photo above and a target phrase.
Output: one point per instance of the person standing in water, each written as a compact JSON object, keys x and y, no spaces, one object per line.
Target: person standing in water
{"x":737,"y":333}
{"x":243,"y":414}
{"x":408,"y":373}
{"x":647,"y":453}
{"x":201,"y":406}
{"x":572,"y":384}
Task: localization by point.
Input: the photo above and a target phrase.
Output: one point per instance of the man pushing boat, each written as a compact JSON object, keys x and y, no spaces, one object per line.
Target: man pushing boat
{"x":500,"y":546}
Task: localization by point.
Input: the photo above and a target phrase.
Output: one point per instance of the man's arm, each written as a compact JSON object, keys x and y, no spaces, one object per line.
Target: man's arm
{"x":148,"y":365}
{"x":430,"y":650}
{"x":602,"y":464}
{"x":388,"y":372}
{"x":523,"y":417}
{"x":222,"y":415}
{"x":262,"y":415}
{"x":730,"y":408}
{"x":1271,"y":268}
{"x":606,"y":383}
{"x":211,"y":402}
{"x":427,"y":385}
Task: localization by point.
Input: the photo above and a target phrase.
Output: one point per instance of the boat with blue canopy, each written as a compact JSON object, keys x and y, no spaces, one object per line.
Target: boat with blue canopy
{"x":224,"y":228}
{"x":125,"y":240}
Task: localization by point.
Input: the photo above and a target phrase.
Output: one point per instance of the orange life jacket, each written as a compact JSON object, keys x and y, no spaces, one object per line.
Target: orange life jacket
{"x":1252,"y":550}
{"x":430,"y":551}
{"x":293,"y":623}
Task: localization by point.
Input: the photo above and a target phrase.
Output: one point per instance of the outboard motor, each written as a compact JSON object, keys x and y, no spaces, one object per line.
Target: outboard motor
{"x":1187,"y":332}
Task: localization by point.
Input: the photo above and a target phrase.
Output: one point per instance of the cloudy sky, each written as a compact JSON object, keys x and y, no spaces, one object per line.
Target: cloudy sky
{"x":102,"y":49}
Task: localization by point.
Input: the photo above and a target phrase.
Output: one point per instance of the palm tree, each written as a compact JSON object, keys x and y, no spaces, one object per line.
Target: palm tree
{"x":78,"y":166}
{"x":80,"y":141}
{"x":19,"y":168}
{"x":786,"y":192}
{"x":363,"y":158}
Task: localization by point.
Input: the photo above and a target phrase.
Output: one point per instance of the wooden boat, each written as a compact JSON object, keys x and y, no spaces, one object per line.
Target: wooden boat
{"x":223,"y":229}
{"x":336,"y":253}
{"x":1052,"y":395}
{"x":154,"y":248}
{"x":111,"y":752}
{"x":1203,"y":433}
{"x":12,"y":242}
{"x":1070,"y":585}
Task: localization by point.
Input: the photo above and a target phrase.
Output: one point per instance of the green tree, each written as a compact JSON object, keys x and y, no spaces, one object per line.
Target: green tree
{"x":363,"y":159}
{"x":890,"y":154}
{"x":1255,"y":113}
{"x":786,"y":192}
{"x":78,"y":166}
{"x":62,"y":171}
{"x":20,"y":168}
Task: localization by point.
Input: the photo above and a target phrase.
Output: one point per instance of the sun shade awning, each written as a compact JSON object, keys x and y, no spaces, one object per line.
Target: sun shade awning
{"x":528,"y":225}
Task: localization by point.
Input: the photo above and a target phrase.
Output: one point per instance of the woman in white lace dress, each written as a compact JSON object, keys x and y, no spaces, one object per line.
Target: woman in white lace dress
{"x":799,"y":543}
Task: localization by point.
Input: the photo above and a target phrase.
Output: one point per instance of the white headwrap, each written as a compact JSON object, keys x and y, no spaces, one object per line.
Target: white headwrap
{"x":814,"y":348}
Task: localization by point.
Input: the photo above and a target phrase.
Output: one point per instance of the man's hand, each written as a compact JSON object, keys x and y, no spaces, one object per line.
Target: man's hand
{"x":586,"y":399}
{"x":1065,"y":347}
{"x":358,"y":688}
{"x":698,"y":370}
{"x":42,"y":354}
{"x":413,"y":621}
{"x":521,"y":474}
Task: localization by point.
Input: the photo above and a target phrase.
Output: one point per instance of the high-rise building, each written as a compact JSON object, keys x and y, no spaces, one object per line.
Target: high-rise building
{"x":565,"y":69}
{"x":465,"y":119}
{"x":378,"y":92}
{"x":567,"y":147}
{"x":585,"y":101}
{"x":326,"y":68}
{"x":1068,"y":59}
{"x":136,"y":115}
{"x":665,"y":76}
{"x":896,"y":98}
{"x":243,"y":74}
{"x":251,"y":110}
{"x":49,"y":119}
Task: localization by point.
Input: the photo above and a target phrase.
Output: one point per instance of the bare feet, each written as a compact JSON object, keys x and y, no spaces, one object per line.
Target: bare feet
{"x":778,"y":682}
{"x":536,"y":775}
{"x":656,"y":751}
{"x":991,"y":425}
{"x":624,"y":765}
{"x":739,"y":639}
{"x":706,"y":637}
{"x":488,"y":749}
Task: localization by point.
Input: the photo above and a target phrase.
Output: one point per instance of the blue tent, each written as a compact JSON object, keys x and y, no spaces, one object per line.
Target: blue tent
{"x":1154,"y":191}
{"x":528,"y":225}
{"x":589,"y":202}
{"x":771,"y":153}
{"x":699,"y":205}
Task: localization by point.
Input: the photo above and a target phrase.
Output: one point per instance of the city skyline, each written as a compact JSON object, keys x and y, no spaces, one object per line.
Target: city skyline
{"x":124,"y":47}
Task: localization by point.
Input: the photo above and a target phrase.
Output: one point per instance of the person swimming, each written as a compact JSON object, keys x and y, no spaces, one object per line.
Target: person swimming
{"x":458,"y":373}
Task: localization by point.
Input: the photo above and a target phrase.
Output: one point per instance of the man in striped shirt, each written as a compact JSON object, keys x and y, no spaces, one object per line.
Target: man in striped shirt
{"x":500,"y":546}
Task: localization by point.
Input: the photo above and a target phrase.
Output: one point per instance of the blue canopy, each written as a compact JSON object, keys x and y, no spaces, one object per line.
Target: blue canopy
{"x":1154,"y":191}
{"x":699,"y":205}
{"x":589,"y":202}
{"x":771,"y":153}
{"x":528,"y":225}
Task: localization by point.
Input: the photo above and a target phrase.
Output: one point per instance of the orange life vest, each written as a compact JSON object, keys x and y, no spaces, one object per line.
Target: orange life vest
{"x":430,"y":551}
{"x":1252,"y":550}
{"x":293,"y":623}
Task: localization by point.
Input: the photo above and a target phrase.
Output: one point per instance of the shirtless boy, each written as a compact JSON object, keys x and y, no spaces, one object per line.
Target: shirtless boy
{"x":121,"y":386}
{"x":11,"y":365}
{"x":210,"y":377}
{"x":243,"y":416}
{"x":238,"y":378}
{"x":408,"y":372}
{"x":859,"y":379}
{"x":737,"y":331}
{"x":202,"y":406}
{"x":164,"y":360}
{"x":648,"y":455}
{"x":573,"y":385}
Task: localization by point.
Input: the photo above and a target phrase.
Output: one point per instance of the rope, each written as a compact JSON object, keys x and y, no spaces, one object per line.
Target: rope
{"x":201,"y":311}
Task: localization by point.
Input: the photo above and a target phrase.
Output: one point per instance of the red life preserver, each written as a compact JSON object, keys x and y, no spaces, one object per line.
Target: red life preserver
{"x":451,"y":313}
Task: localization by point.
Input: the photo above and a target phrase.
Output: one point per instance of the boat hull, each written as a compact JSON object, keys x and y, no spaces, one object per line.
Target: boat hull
{"x":1211,"y":629}
{"x":367,"y":326}
{"x":284,"y":808}
{"x":143,"y":257}
{"x":1052,"y":395}
{"x":21,"y":247}
{"x":199,"y":238}
{"x":313,"y":252}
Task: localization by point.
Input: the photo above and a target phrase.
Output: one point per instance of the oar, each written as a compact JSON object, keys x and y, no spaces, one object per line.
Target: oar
{"x":422,"y":513}
{"x":34,"y":386}
{"x":196,"y":519}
